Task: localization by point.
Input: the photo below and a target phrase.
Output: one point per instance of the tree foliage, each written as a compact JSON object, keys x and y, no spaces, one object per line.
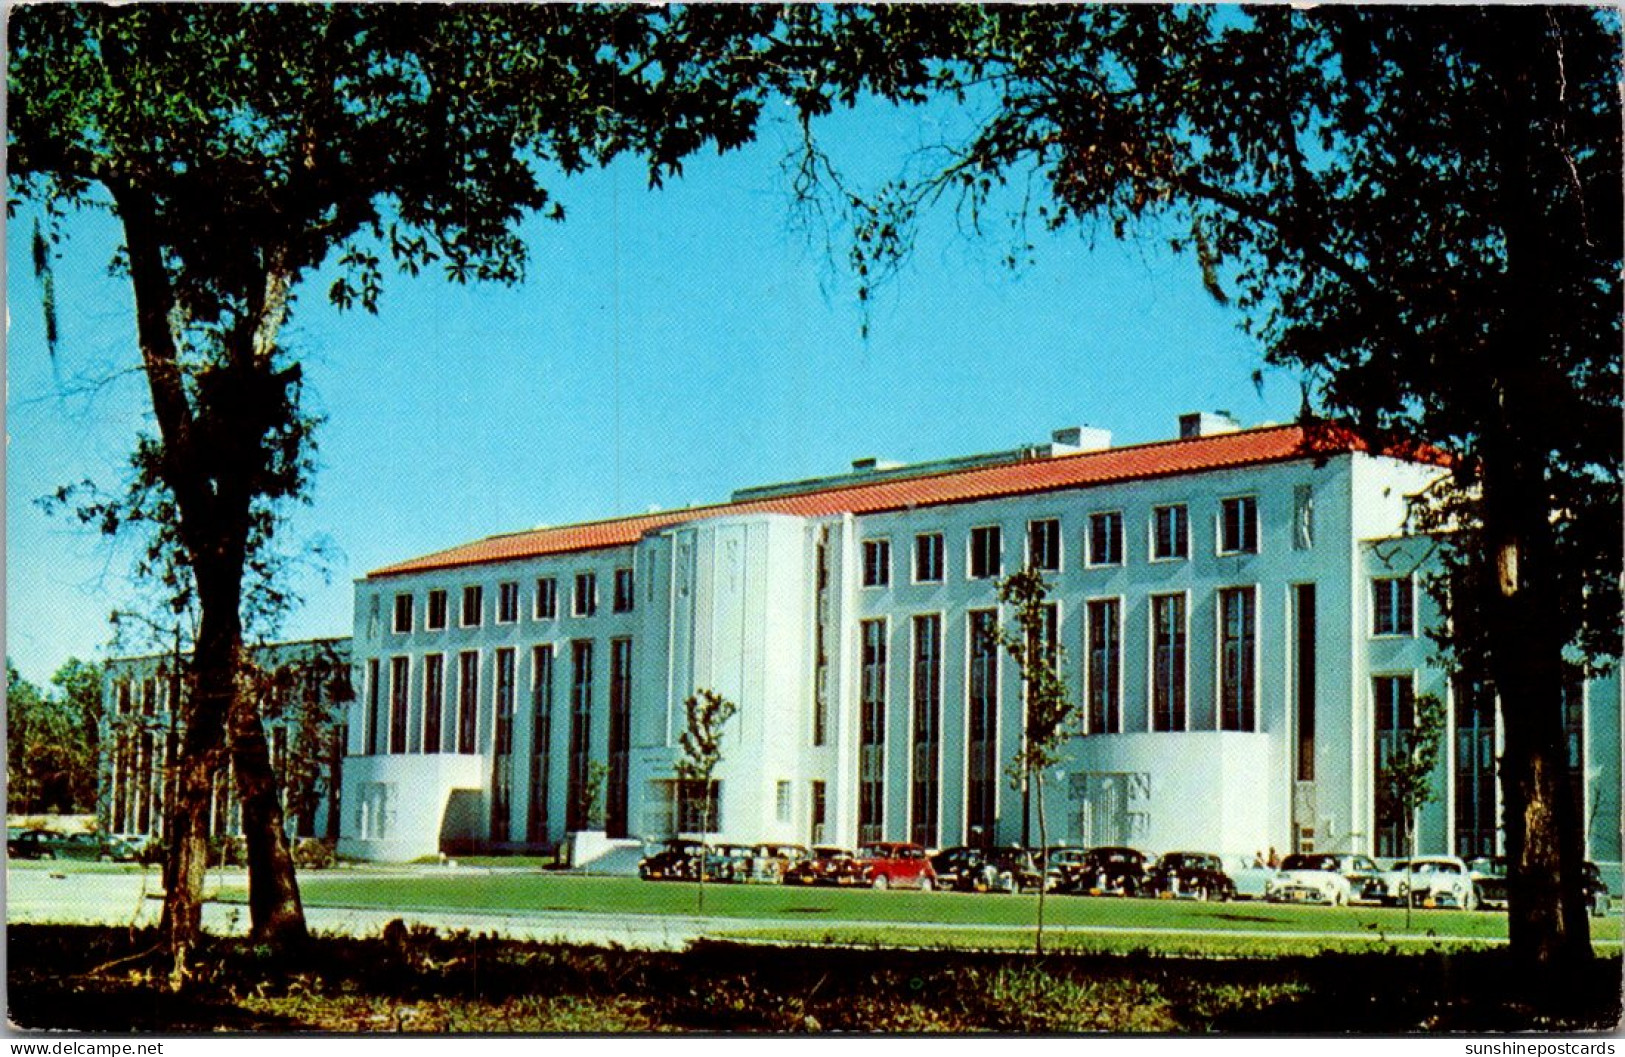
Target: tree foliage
{"x":52,"y":739}
{"x":705,"y":716}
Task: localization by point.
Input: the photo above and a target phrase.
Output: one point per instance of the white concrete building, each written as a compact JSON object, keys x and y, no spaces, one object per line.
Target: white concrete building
{"x":1240,"y":621}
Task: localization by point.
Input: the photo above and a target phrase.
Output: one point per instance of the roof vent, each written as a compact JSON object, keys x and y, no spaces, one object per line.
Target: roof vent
{"x":1079,"y":438}
{"x":869,"y":464}
{"x":1206,"y":424}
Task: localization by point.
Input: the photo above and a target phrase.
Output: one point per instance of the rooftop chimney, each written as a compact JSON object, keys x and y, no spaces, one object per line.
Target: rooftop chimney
{"x":869,"y":464}
{"x":1206,"y":424}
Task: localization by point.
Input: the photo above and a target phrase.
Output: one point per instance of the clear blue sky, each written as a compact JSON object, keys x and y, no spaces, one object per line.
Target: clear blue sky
{"x":666,"y":348}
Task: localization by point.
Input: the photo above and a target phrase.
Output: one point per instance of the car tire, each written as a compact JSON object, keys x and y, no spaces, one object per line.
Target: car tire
{"x":1339,"y":899}
{"x":47,"y":855}
{"x":879,"y":884}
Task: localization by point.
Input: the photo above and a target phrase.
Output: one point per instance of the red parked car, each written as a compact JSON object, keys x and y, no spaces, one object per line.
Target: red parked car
{"x":888,"y":864}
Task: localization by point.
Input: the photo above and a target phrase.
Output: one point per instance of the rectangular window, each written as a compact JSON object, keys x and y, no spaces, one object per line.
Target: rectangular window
{"x":1044,"y":545}
{"x":578,"y":810}
{"x":820,"y":815}
{"x":508,"y":603}
{"x":436,"y":616}
{"x":1168,"y":662}
{"x":1304,"y":611}
{"x":502,"y":740}
{"x":982,"y":702}
{"x":1106,"y":538}
{"x":403,"y":615}
{"x":986,"y":552}
{"x":586,"y":599}
{"x":927,"y":736}
{"x":547,"y":598}
{"x":1238,"y":658}
{"x":1475,"y":768}
{"x":434,"y":700}
{"x":625,"y":594}
{"x":872,"y":732}
{"x":375,"y":718}
{"x":1392,"y":612}
{"x":399,"y":671}
{"x":821,"y":620}
{"x":620,"y":737}
{"x":1105,"y":666}
{"x":541,"y":740}
{"x":1238,"y":526}
{"x":1574,"y":731}
{"x":928,"y":558}
{"x":781,"y":801}
{"x":473,"y":606}
{"x":1170,"y":533}
{"x":698,"y":810}
{"x":876,"y":563}
{"x":468,"y":701}
{"x":1393,"y":706}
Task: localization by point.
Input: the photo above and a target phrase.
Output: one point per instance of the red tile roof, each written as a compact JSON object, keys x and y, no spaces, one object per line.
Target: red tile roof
{"x":1045,"y":474}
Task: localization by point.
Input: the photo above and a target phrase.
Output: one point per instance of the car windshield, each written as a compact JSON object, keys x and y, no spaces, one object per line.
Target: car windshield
{"x":1309,"y":862}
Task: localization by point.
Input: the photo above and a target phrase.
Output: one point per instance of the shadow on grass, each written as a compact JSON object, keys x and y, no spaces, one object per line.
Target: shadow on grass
{"x":414,"y":980}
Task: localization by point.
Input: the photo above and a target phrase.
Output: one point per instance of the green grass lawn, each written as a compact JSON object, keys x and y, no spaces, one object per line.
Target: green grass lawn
{"x":520,"y":893}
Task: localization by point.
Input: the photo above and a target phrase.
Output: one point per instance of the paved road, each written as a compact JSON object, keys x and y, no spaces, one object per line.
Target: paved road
{"x":129,"y":898}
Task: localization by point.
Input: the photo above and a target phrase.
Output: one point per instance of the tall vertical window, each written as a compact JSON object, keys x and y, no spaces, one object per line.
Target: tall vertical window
{"x":399,"y":671}
{"x":1106,"y":538}
{"x":986,"y":552}
{"x":821,"y":616}
{"x":1574,"y":730}
{"x":625,"y":592}
{"x":468,"y":701}
{"x":1392,"y":611}
{"x":1105,"y":666}
{"x":1303,"y":604}
{"x":620,"y":737}
{"x":1394,"y":715}
{"x":508,"y":603}
{"x":502,"y":742}
{"x":547,"y":598}
{"x":872,"y":732}
{"x":541,"y":740}
{"x":982,"y":702}
{"x":473,"y":606}
{"x":781,"y":800}
{"x":577,"y":811}
{"x":1170,"y":533}
{"x":435,"y":618}
{"x":1474,"y":785}
{"x":928,"y":558}
{"x":434,"y":700}
{"x":1044,"y":545}
{"x":820,"y":815}
{"x":1238,"y":659}
{"x":586,"y":599}
{"x":1168,"y":662}
{"x":927,"y":740}
{"x":876,"y":563}
{"x":375,"y":717}
{"x":1238,"y":525}
{"x":403,"y":615}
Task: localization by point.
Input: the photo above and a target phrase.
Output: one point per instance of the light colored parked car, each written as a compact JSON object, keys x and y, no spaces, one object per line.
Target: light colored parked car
{"x":1310,"y":879}
{"x":1250,"y":877}
{"x":1432,"y":881}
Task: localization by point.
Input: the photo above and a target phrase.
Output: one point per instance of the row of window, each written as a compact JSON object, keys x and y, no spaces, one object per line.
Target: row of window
{"x":1103,"y":543}
{"x":471,"y":613}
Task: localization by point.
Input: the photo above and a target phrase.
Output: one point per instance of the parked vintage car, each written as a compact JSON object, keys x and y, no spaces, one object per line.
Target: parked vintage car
{"x":1108,"y":871}
{"x":1189,"y":874}
{"x":1434,"y":881}
{"x":1310,"y":878}
{"x":770,"y":861}
{"x":827,"y":865}
{"x":891,"y":864}
{"x":1015,"y":869}
{"x":1248,"y":876}
{"x":1064,"y":867}
{"x":92,"y":847}
{"x":1489,"y":874}
{"x":964,"y":869}
{"x":677,"y":860}
{"x":1596,"y":890}
{"x":728,"y":862}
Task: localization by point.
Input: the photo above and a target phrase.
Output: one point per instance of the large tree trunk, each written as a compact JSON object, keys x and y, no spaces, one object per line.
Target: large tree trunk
{"x":275,"y":913}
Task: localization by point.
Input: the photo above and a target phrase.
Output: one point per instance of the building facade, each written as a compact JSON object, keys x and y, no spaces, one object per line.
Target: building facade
{"x":303,"y":691}
{"x":1241,"y":618}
